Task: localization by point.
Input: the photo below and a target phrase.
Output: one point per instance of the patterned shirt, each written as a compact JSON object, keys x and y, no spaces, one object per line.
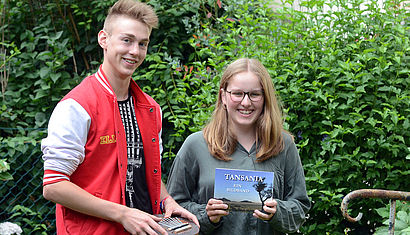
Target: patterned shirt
{"x":136,"y":190}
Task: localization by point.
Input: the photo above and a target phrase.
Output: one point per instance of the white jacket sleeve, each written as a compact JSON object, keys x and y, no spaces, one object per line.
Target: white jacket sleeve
{"x":63,"y":149}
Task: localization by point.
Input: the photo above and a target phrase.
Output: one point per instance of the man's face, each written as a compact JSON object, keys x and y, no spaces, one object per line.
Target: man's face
{"x":125,"y":43}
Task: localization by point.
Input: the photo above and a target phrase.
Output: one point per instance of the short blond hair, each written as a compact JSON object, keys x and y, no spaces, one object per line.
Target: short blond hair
{"x":133,"y":9}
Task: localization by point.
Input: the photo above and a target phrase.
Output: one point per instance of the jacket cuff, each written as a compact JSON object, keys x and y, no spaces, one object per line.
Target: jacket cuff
{"x":207,"y":226}
{"x":51,"y":176}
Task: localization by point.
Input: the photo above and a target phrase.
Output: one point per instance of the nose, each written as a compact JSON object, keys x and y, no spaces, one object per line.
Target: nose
{"x":246,"y":101}
{"x":134,"y":50}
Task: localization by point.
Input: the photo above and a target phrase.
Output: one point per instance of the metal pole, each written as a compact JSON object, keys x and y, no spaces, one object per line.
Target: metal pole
{"x":374,"y":193}
{"x":392,"y":217}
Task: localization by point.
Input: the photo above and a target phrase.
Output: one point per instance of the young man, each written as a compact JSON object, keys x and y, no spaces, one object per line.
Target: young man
{"x":102,"y":153}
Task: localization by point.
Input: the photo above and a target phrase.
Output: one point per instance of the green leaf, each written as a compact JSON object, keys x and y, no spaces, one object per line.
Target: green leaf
{"x":44,"y":72}
{"x":404,"y":217}
{"x":360,"y":89}
{"x":4,"y":176}
{"x":44,"y":56}
{"x":383,"y":212}
{"x":55,"y":76}
{"x":57,"y":35}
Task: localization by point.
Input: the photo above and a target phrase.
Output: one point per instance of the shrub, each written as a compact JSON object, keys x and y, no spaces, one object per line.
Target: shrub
{"x":343,"y":78}
{"x":342,"y":75}
{"x":401,"y":222}
{"x":4,"y":167}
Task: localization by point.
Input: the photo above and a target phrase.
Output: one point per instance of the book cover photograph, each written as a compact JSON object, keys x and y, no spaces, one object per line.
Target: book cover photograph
{"x":243,"y":190}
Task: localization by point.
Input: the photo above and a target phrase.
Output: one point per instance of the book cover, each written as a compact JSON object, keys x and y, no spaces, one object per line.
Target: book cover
{"x":243,"y":190}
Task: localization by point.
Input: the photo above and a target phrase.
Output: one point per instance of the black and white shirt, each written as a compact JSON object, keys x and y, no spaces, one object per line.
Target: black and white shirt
{"x":136,"y":191}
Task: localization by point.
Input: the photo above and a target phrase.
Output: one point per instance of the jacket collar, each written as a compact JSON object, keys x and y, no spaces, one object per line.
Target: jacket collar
{"x":102,"y":79}
{"x":135,"y":89}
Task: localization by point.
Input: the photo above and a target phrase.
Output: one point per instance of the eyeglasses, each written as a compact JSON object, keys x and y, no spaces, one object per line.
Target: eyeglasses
{"x":238,"y":96}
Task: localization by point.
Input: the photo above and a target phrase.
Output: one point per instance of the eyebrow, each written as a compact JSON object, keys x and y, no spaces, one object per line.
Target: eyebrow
{"x":234,"y":89}
{"x":134,"y":37}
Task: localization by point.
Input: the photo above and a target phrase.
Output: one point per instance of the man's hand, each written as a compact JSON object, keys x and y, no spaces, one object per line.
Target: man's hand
{"x":173,"y":208}
{"x":269,"y":207}
{"x":71,"y":196}
{"x":140,"y":222}
{"x":215,"y":209}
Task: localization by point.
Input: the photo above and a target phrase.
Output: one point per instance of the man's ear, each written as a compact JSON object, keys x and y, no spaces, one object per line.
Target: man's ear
{"x":102,"y":39}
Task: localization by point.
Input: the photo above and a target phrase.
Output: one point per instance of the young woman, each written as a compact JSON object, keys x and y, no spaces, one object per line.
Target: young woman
{"x":245,"y":132}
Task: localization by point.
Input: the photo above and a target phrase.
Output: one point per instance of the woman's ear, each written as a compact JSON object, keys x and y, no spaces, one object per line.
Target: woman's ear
{"x":223,"y":96}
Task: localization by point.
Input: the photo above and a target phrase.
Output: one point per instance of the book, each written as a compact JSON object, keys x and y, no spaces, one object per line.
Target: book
{"x":243,"y":190}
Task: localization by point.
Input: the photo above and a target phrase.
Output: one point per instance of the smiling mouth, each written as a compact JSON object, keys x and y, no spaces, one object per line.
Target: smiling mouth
{"x":130,"y":61}
{"x":246,"y":112}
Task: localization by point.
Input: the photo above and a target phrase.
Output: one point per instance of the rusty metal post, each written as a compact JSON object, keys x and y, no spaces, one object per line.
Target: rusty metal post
{"x":392,"y":216}
{"x":375,"y":193}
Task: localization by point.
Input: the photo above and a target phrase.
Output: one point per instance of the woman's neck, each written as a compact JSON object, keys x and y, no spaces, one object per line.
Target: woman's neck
{"x":246,"y":138}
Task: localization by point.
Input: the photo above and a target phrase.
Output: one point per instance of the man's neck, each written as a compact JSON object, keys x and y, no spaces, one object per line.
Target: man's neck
{"x":121,"y":88}
{"x":118,"y":84}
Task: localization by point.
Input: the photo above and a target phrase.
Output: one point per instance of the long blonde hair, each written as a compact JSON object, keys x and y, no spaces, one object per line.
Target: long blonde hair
{"x":222,"y":141}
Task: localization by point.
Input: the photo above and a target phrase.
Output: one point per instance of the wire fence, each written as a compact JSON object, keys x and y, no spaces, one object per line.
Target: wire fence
{"x":21,"y":199}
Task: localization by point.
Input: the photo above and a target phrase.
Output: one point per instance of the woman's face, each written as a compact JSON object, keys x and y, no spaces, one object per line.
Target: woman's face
{"x":244,"y":101}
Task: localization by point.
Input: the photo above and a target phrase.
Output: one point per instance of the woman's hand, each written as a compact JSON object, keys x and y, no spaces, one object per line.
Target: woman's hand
{"x":270,"y":209}
{"x":215,"y":209}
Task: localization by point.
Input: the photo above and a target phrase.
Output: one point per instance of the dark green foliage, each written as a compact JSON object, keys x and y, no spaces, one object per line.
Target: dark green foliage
{"x":21,"y":200}
{"x":401,"y":223}
{"x":342,"y":77}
